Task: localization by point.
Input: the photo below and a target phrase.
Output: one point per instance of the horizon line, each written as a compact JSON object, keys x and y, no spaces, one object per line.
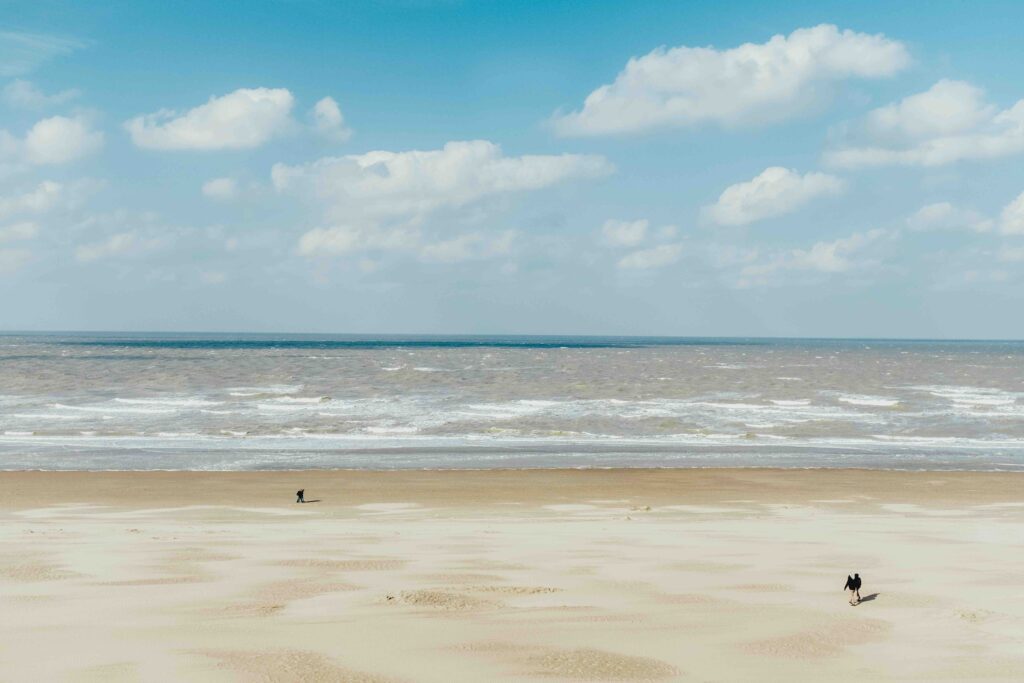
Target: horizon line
{"x":497,"y":335}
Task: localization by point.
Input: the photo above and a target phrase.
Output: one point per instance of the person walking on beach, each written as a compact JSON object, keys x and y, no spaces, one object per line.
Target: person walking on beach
{"x":853,"y":585}
{"x":300,"y":496}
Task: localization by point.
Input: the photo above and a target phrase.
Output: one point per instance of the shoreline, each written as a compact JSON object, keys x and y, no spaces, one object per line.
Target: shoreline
{"x":25,"y":488}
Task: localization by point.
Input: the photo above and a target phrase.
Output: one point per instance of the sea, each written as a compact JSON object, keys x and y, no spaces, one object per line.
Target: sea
{"x":92,"y":401}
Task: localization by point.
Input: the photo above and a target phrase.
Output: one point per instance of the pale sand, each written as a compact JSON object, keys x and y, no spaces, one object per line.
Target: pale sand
{"x":706,"y":575}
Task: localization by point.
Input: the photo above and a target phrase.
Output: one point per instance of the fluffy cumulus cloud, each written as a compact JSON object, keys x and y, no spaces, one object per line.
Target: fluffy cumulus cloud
{"x":752,"y":83}
{"x":120,"y":244}
{"x":418,"y":182}
{"x":60,"y":139}
{"x":54,"y":140}
{"x":776,"y":191}
{"x":220,"y":188}
{"x":243,"y":119}
{"x":339,"y":240}
{"x":362,"y":195}
{"x":949,"y":122}
{"x":24,"y":94}
{"x":655,"y":257}
{"x":46,"y":197}
{"x":329,"y":122}
{"x":945,"y":216}
{"x":1011,"y":220}
{"x":40,"y":199}
{"x":836,"y":256}
{"x":632,"y":234}
{"x":616,"y":233}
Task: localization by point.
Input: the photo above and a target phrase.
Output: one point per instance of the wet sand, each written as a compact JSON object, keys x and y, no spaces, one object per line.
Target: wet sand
{"x":511,"y":575}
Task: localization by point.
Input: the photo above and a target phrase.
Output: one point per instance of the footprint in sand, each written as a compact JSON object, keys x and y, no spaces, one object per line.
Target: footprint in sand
{"x":364,"y":565}
{"x":286,"y":665}
{"x":598,"y":665}
{"x":826,"y":641}
{"x":577,"y":664}
{"x":444,"y":600}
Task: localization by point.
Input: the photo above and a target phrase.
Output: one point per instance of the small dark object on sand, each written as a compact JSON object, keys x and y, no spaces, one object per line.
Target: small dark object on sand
{"x":853,"y":585}
{"x":300,"y":496}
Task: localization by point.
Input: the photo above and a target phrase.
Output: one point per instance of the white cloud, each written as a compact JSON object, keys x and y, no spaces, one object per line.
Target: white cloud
{"x":1011,"y":220}
{"x":54,"y":140}
{"x":24,"y":95}
{"x":655,"y":257}
{"x":24,"y":230}
{"x":836,"y":256}
{"x":343,"y":239}
{"x":120,"y":244}
{"x":751,"y":83}
{"x":381,"y":200}
{"x":412,"y":184}
{"x":945,"y":216}
{"x":21,"y":52}
{"x":243,"y":119}
{"x":59,"y":139}
{"x":44,"y":197}
{"x":469,"y":247}
{"x":947,"y":123}
{"x":775,"y":192}
{"x":220,"y":188}
{"x":329,"y":122}
{"x":624,"y":233}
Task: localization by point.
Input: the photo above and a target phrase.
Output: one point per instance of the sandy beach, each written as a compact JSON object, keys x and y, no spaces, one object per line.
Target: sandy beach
{"x":707,"y":575}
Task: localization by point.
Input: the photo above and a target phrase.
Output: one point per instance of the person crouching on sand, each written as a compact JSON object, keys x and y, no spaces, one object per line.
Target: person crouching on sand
{"x":853,"y":585}
{"x":300,"y":496}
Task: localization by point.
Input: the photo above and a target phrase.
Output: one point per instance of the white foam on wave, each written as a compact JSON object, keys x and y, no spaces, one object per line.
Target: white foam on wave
{"x":508,"y":410}
{"x":292,"y":403}
{"x":117,"y":409}
{"x":397,"y":429}
{"x":874,"y":401}
{"x":48,"y":416}
{"x":169,"y":402}
{"x":263,"y":391}
{"x":972,"y":395}
{"x":791,"y":403}
{"x":301,"y":399}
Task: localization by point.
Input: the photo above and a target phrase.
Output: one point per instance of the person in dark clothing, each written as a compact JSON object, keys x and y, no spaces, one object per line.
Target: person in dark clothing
{"x":853,"y":585}
{"x":300,"y":496}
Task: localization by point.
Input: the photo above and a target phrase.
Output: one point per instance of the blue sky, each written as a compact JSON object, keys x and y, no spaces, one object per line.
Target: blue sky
{"x":796,"y":169}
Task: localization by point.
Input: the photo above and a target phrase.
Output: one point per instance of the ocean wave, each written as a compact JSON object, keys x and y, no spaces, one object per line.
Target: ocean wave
{"x":47,"y":416}
{"x":113,"y":410}
{"x":170,"y":402}
{"x":271,"y":390}
{"x":874,"y":401}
